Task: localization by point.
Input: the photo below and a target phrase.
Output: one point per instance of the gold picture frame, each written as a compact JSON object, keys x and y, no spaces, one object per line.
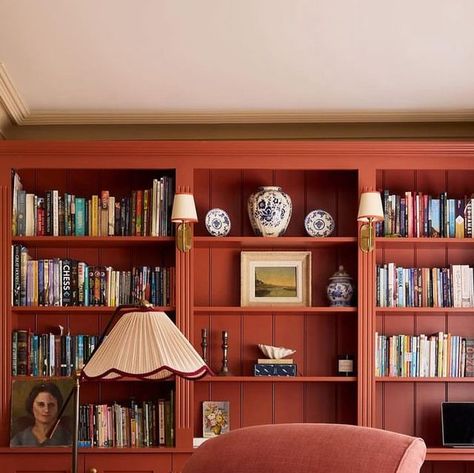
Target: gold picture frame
{"x":28,"y":409}
{"x":275,"y":278}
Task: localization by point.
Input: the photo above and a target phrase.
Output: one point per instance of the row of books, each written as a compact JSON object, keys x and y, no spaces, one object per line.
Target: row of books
{"x":68,"y":282}
{"x":425,"y":287}
{"x":145,"y":424}
{"x":437,"y":355}
{"x":47,"y":354}
{"x":146,"y":212}
{"x":414,"y":214}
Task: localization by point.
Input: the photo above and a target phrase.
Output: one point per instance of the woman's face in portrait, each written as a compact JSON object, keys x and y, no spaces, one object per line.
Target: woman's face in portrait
{"x":45,"y":408}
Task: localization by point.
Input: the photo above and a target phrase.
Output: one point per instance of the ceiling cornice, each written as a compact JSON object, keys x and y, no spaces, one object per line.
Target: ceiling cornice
{"x":20,"y":114}
{"x":4,"y":123}
{"x":10,"y":99}
{"x":211,"y":117}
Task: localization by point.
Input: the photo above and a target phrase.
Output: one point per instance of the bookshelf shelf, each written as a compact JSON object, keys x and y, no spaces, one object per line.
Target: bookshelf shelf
{"x":73,"y":309}
{"x":226,"y":310}
{"x":90,"y":242}
{"x":401,"y":379}
{"x":423,"y":242}
{"x":97,"y":450}
{"x":272,"y":243}
{"x":278,"y":379}
{"x":425,"y":310}
{"x":449,"y":454}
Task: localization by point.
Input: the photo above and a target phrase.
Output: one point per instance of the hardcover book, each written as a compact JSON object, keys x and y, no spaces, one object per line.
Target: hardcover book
{"x":274,"y":370}
{"x":469,"y":357}
{"x":275,"y":361}
{"x":80,"y":216}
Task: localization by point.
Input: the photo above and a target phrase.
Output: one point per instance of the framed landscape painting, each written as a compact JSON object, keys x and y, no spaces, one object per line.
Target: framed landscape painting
{"x":275,"y":278}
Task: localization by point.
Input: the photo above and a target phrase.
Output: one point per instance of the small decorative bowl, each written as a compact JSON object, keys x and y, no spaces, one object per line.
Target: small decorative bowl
{"x":319,"y":223}
{"x":217,"y":222}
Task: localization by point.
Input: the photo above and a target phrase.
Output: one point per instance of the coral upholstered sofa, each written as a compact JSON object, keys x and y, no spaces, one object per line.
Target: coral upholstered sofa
{"x":308,"y":448}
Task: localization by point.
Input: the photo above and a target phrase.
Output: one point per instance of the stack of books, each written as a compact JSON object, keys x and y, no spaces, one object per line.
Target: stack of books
{"x":275,"y":367}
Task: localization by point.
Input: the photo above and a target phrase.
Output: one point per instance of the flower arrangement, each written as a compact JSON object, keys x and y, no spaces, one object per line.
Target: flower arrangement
{"x":215,"y":418}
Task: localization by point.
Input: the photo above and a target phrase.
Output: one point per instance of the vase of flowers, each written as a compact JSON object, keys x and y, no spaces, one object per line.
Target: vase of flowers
{"x":269,"y":211}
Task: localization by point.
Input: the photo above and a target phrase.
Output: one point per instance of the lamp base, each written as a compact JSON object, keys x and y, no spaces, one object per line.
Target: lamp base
{"x":367,"y":238}
{"x":184,"y":236}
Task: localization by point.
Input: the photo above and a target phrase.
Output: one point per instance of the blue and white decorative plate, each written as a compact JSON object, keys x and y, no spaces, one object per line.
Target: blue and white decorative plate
{"x":217,"y":222}
{"x":319,"y":223}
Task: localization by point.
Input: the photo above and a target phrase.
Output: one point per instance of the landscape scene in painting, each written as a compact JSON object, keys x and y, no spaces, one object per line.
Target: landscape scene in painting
{"x":275,"y":281}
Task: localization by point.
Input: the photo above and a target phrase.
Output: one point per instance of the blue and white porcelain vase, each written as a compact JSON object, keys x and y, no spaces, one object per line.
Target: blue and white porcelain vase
{"x":269,"y":211}
{"x":340,"y":289}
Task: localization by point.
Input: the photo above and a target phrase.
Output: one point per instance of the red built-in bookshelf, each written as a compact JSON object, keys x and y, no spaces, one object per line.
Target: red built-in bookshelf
{"x":316,"y":174}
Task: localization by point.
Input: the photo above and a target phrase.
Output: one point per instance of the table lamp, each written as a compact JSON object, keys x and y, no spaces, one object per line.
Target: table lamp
{"x":143,"y":345}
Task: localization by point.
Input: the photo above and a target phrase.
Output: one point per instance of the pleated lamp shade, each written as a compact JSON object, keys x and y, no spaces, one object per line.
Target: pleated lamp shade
{"x":145,"y":345}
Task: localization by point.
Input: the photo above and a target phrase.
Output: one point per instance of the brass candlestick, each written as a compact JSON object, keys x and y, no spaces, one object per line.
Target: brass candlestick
{"x":225,"y":347}
{"x":204,"y":344}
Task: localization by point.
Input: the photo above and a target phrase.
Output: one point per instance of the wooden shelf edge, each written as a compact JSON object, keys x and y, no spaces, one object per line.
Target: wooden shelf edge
{"x":422,"y":242}
{"x":449,"y":454}
{"x":267,"y":242}
{"x":89,"y":241}
{"x":425,"y":310}
{"x":278,"y":379}
{"x":94,"y":450}
{"x":75,"y":309}
{"x":267,"y":309}
{"x":401,"y":379}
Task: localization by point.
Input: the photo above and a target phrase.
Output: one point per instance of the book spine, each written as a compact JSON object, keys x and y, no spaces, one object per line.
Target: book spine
{"x":104,"y":213}
{"x":66,"y":283}
{"x":80,"y":217}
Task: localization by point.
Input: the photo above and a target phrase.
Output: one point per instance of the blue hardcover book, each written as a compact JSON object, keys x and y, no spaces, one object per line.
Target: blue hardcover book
{"x":86,"y":286}
{"x":434,"y":218}
{"x":452,"y":217}
{"x":80,"y":216}
{"x":275,"y":369}
{"x":35,"y":355}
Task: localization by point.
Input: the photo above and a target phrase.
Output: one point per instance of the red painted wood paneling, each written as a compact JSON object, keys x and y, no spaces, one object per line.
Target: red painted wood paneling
{"x":400,"y":408}
{"x":288,"y":406}
{"x":256,"y":408}
{"x":428,"y":399}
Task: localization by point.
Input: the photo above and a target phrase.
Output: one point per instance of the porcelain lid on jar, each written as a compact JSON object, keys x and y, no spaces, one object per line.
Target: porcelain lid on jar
{"x":269,"y":188}
{"x":340,"y":274}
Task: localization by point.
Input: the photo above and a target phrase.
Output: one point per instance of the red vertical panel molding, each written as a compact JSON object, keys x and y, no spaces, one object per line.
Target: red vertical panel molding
{"x":366,"y":321}
{"x":5,"y":309}
{"x":184,"y":298}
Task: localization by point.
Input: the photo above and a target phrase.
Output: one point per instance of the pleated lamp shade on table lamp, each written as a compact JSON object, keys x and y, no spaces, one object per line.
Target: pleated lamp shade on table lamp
{"x":144,"y":344}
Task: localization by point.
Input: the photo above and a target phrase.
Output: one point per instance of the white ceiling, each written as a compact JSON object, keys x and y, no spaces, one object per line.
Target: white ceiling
{"x":158,"y":61}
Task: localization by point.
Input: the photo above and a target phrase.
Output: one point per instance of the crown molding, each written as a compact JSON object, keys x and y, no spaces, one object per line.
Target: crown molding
{"x":10,"y":99}
{"x":210,"y":117}
{"x":20,"y":114}
{"x":5,"y":123}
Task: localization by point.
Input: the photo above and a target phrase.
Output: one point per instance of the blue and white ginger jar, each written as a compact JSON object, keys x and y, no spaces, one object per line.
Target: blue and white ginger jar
{"x":269,"y":211}
{"x":340,"y":289}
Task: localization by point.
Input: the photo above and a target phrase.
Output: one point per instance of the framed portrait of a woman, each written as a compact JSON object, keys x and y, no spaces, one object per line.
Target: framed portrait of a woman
{"x":35,"y":406}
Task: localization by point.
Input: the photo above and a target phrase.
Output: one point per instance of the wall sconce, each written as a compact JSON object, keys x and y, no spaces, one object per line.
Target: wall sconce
{"x":370,"y":211}
{"x":183,"y":213}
